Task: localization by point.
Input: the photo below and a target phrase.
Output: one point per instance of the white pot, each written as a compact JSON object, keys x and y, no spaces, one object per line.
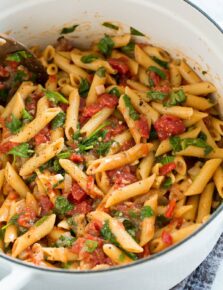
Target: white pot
{"x":182,"y":30}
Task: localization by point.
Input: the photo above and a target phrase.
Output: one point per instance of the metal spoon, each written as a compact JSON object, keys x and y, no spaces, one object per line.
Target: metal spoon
{"x":9,"y":45}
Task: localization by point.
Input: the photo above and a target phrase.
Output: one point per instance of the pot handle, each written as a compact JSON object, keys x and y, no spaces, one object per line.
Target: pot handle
{"x":16,"y":279}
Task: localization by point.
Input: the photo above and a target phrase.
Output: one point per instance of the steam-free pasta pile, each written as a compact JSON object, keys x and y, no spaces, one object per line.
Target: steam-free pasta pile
{"x":117,"y":158}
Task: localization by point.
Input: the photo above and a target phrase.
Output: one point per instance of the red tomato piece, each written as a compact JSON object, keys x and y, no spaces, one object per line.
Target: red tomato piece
{"x":3,"y":72}
{"x":165,"y":88}
{"x":143,"y":127}
{"x":90,"y":110}
{"x":76,"y":158}
{"x":90,"y":183}
{"x":83,"y":207}
{"x":108,"y":100}
{"x":27,"y":218}
{"x":155,"y":78}
{"x":165,"y":169}
{"x":77,"y":193}
{"x":7,"y":146}
{"x":64,"y":107}
{"x":43,"y":136}
{"x":52,"y":78}
{"x":168,"y":125}
{"x":45,"y":204}
{"x":167,"y":238}
{"x":116,"y":127}
{"x":170,"y":208}
{"x":119,"y":64}
{"x":94,"y":228}
{"x":121,"y":176}
{"x":13,"y":65}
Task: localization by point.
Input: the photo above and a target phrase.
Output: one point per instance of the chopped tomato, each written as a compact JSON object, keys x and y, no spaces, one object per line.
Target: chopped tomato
{"x":64,"y":107}
{"x":143,"y":127}
{"x":155,"y":78}
{"x":121,"y":176}
{"x":3,"y":72}
{"x":178,"y":221}
{"x":90,"y":183}
{"x":168,"y":125}
{"x":170,"y":208}
{"x":94,"y":228}
{"x":167,"y":238}
{"x":127,"y":145}
{"x":77,"y":193}
{"x":116,"y":127}
{"x":165,"y":169}
{"x":2,"y":86}
{"x":13,"y":65}
{"x":52,"y":78}
{"x":119,"y":64}
{"x":13,"y":195}
{"x":165,"y":88}
{"x":76,"y":158}
{"x":104,"y":100}
{"x":43,"y":136}
{"x":27,"y":218}
{"x":7,"y":146}
{"x":45,"y":204}
{"x":82,"y":207}
{"x":146,"y":251}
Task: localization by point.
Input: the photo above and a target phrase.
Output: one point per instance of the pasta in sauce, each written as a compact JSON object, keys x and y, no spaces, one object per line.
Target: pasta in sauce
{"x":117,"y":158}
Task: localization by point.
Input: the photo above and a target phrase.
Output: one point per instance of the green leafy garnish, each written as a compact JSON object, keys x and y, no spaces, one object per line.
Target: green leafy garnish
{"x":204,"y":72}
{"x":161,"y":62}
{"x":65,"y":241}
{"x":26,"y":115}
{"x":107,"y":234}
{"x":90,"y":246}
{"x":103,"y":147}
{"x":70,"y":29}
{"x":41,"y":220}
{"x":132,"y":112}
{"x":136,"y":32}
{"x":115,"y":91}
{"x":128,"y":49}
{"x":165,"y":159}
{"x":106,"y":45}
{"x":176,"y":98}
{"x":110,"y":25}
{"x":133,"y":214}
{"x":88,"y":58}
{"x":20,"y":76}
{"x":101,"y":72}
{"x":167,"y":182}
{"x":55,"y":97}
{"x":162,"y":221}
{"x":202,"y":136}
{"x":31,"y":178}
{"x":14,"y":125}
{"x":121,"y":257}
{"x":58,"y":121}
{"x":156,"y":95}
{"x":146,"y":212}
{"x":18,"y":56}
{"x":179,"y":144}
{"x":83,"y":87}
{"x":153,"y":134}
{"x":22,"y":150}
{"x":12,"y":221}
{"x":64,"y":155}
{"x":62,"y":205}
{"x":158,"y":71}
{"x":130,"y":227}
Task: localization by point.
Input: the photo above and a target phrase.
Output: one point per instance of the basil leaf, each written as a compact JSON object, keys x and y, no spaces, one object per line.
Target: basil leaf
{"x":15,"y":125}
{"x":128,"y":49}
{"x":155,"y":95}
{"x":26,"y":115}
{"x":106,"y":45}
{"x":58,"y":121}
{"x":202,"y":136}
{"x":20,"y":76}
{"x":83,"y":88}
{"x":162,"y":221}
{"x":153,"y":134}
{"x":161,"y":62}
{"x":167,"y":182}
{"x":175,"y":142}
{"x":101,"y":72}
{"x":146,"y":212}
{"x":18,"y":56}
{"x":157,"y":71}
{"x":110,"y":25}
{"x":90,"y":246}
{"x":196,"y":142}
{"x":130,"y":227}
{"x":176,"y":98}
{"x":103,"y":148}
{"x":55,"y":97}
{"x":88,"y":58}
{"x":70,"y":29}
{"x":132,"y":112}
{"x":136,"y":32}
{"x":23,"y":150}
{"x":165,"y":159}
{"x":115,"y":91}
{"x":65,"y":241}
{"x":64,"y":155}
{"x":31,"y":178}
{"x":62,"y":205}
{"x":107,"y":234}
{"x":12,"y":221}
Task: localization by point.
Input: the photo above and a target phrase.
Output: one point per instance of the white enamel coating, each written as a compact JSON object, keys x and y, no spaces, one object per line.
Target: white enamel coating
{"x":182,"y":30}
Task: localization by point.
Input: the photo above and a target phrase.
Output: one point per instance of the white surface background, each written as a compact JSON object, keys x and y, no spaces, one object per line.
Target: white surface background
{"x":214,"y":8}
